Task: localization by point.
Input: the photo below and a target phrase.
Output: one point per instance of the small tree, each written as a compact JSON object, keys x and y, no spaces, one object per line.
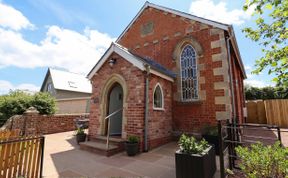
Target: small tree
{"x":17,"y":102}
{"x":44,"y":103}
{"x":264,"y":161}
{"x":271,"y":32}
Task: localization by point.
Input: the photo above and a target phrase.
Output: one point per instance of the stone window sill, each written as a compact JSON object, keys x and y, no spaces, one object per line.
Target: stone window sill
{"x":158,"y":109}
{"x":194,"y":102}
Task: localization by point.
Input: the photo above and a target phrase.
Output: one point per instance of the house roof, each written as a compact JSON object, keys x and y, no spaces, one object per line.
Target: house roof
{"x":137,"y":60}
{"x":223,"y":26}
{"x":63,"y":80}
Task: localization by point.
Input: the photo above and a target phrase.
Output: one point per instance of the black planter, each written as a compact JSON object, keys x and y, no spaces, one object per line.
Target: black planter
{"x":80,"y":138}
{"x":214,"y":140}
{"x":132,"y":148}
{"x":195,"y":166}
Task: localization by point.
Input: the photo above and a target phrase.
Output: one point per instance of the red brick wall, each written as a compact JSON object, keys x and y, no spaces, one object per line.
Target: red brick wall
{"x":188,"y":117}
{"x":160,"y":121}
{"x":43,"y":124}
{"x":135,"y":100}
{"x":238,"y":90}
{"x":165,"y":25}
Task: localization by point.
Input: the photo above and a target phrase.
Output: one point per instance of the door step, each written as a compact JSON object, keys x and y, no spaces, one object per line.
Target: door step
{"x":112,"y":139}
{"x":98,"y":145}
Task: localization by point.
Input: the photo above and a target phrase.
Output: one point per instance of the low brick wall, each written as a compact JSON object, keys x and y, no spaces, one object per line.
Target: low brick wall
{"x":33,"y":123}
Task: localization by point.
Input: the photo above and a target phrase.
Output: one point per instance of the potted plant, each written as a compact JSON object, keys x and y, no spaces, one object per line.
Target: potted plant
{"x":80,"y":135}
{"x":132,"y":145}
{"x":194,"y":159}
{"x":210,"y":134}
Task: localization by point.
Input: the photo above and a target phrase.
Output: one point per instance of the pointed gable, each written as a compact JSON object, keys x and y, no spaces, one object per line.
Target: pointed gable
{"x":154,"y":26}
{"x":166,"y":10}
{"x":137,"y":61}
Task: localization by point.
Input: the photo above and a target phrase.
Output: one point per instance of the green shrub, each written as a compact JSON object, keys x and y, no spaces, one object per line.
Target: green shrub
{"x":264,"y":161}
{"x":17,"y":102}
{"x":190,"y":145}
{"x":133,"y":139}
{"x":80,"y":131}
{"x":44,"y":103}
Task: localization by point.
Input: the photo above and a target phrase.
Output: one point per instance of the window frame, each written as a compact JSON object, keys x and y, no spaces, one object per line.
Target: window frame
{"x":162,"y":98}
{"x":197,"y":75}
{"x":49,"y":87}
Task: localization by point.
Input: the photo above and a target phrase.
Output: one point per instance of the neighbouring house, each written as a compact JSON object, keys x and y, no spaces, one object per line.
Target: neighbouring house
{"x":171,"y":72}
{"x":72,"y":91}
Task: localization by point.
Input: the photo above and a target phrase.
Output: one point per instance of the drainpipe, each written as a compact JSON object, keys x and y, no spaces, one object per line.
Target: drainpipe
{"x":146,"y":107}
{"x":231,"y":80}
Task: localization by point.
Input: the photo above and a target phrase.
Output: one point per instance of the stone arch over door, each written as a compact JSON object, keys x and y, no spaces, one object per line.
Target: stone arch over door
{"x":105,"y":91}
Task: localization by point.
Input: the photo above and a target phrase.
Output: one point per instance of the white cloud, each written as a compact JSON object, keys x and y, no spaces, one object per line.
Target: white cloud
{"x":12,"y":18}
{"x":255,"y":83}
{"x":219,"y":12}
{"x":76,"y":52}
{"x":6,"y":86}
{"x":248,"y":68}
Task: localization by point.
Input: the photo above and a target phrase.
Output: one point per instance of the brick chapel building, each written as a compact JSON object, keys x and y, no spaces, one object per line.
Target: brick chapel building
{"x":171,"y":72}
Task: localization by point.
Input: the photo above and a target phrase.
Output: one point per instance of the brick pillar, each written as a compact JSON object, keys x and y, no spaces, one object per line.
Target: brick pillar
{"x":30,"y":125}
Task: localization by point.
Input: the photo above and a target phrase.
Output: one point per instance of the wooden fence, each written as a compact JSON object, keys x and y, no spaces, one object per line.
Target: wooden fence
{"x":272,"y":112}
{"x":6,"y":134}
{"x":21,"y":157}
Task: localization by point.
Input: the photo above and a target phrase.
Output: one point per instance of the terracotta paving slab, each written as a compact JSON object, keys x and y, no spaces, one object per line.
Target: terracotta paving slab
{"x":149,"y":157}
{"x":145,"y":168}
{"x":116,"y":172}
{"x":167,"y":161}
{"x":117,"y":161}
{"x":69,"y":173}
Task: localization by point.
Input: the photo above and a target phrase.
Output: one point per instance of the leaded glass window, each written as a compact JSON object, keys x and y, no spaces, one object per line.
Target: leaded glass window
{"x":158,"y":97}
{"x":189,"y":83}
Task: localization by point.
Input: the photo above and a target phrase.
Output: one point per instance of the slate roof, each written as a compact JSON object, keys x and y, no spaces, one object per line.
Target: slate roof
{"x":135,"y":59}
{"x":156,"y":66}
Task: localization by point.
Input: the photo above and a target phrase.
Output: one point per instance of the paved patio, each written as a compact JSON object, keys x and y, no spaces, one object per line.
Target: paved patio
{"x":63,"y":158}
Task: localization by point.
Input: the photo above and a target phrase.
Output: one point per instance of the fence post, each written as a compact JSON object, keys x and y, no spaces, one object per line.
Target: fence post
{"x":221,"y":156}
{"x":42,"y":156}
{"x":279,"y":134}
{"x":230,"y":149}
{"x":234,"y":141}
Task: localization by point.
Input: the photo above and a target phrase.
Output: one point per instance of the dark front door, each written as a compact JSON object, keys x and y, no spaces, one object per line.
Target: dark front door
{"x":115,"y":103}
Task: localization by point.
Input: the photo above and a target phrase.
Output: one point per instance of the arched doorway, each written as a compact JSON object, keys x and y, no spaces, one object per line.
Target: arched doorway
{"x":115,"y":102}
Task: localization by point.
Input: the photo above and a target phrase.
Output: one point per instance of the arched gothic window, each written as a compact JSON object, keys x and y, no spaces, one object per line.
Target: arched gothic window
{"x":189,"y":83}
{"x":158,"y":97}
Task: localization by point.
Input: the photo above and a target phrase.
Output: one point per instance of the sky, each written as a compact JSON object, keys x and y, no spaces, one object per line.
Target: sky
{"x":72,"y":35}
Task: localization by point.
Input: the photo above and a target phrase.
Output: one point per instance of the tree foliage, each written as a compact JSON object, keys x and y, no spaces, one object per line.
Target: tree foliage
{"x":254,"y":93}
{"x":44,"y":103}
{"x":271,"y":32}
{"x":17,"y":102}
